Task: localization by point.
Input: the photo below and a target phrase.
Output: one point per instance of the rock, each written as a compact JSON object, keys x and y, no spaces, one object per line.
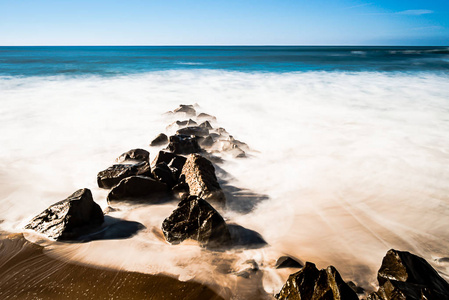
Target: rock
{"x":403,"y":275}
{"x":181,"y":190}
{"x":180,"y":124}
{"x":193,"y":130}
{"x":206,"y":124}
{"x":250,"y":270}
{"x":196,"y":219}
{"x":70,"y":218}
{"x":206,"y":142}
{"x":183,"y":144}
{"x":164,"y":174}
{"x":160,"y":140}
{"x":187,"y":109}
{"x":355,"y":288}
{"x":113,"y":175}
{"x":313,"y":284}
{"x":138,"y":188}
{"x":203,"y":116}
{"x":134,"y":154}
{"x":176,"y":165}
{"x":287,"y":262}
{"x":163,"y":156}
{"x":200,"y":176}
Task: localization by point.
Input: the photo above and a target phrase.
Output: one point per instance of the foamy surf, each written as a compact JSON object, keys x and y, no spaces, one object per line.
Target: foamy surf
{"x":345,"y":167}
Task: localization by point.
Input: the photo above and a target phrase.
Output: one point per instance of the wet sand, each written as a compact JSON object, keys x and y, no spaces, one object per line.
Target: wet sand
{"x":27,"y":273}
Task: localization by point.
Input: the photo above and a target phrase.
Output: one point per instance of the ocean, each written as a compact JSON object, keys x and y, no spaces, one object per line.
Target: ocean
{"x":349,"y":151}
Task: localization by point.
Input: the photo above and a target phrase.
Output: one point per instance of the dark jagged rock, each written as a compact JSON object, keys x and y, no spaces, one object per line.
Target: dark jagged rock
{"x":113,"y":175}
{"x":206,"y":142}
{"x":181,"y":124}
{"x":196,"y":219}
{"x":183,"y":144}
{"x":134,"y":154}
{"x":193,"y":130}
{"x":70,"y":218}
{"x":160,"y":140}
{"x":176,"y":165}
{"x":313,"y":284}
{"x":203,"y":116}
{"x":200,"y":176}
{"x":406,"y":276}
{"x":355,"y":288}
{"x":181,"y":190}
{"x":187,"y":109}
{"x":205,"y":124}
{"x":287,"y":262}
{"x":138,"y":188}
{"x":164,"y":174}
{"x":163,"y":156}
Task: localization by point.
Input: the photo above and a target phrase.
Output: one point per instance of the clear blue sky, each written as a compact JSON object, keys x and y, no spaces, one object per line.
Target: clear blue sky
{"x":224,"y":22}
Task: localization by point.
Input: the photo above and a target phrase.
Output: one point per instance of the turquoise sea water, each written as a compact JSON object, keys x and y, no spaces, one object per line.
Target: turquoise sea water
{"x":120,"y":60}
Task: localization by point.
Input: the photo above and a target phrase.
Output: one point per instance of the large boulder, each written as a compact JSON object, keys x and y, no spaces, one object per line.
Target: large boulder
{"x":134,"y":154}
{"x":70,"y":218}
{"x":403,"y":275}
{"x":196,"y":219}
{"x":139,"y":188}
{"x":113,"y":175}
{"x":313,"y":284}
{"x":183,"y":144}
{"x":200,"y":176}
{"x":160,"y":140}
{"x":163,"y":156}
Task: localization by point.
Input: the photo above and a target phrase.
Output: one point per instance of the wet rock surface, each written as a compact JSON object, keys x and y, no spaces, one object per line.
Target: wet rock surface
{"x":164,"y":174}
{"x":68,"y":219}
{"x":134,"y":154}
{"x":160,"y":140}
{"x":313,"y":284}
{"x":403,"y":275}
{"x":200,"y":176}
{"x":113,"y":175}
{"x":193,"y":130}
{"x":183,"y":144}
{"x":196,"y":219}
{"x":138,"y":188}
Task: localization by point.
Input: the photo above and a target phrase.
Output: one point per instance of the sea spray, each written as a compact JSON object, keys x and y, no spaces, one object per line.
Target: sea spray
{"x":345,"y":165}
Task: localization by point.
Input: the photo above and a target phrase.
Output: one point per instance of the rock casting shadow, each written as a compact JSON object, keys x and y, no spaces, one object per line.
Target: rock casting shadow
{"x":113,"y":229}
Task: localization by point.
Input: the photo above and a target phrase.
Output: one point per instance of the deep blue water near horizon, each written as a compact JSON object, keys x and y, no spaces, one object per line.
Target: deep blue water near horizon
{"x":125,"y":60}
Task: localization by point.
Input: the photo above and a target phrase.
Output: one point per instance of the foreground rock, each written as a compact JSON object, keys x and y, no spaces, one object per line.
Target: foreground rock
{"x":196,"y":219}
{"x":200,"y":177}
{"x":183,"y":144}
{"x":139,"y":188}
{"x":113,"y":175}
{"x":70,"y":218}
{"x":313,"y":284}
{"x":407,"y":276}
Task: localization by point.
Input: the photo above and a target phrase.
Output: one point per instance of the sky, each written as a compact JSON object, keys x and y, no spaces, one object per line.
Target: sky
{"x":219,"y":22}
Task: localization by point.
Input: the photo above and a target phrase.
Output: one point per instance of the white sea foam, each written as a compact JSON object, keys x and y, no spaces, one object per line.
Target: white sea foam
{"x":348,"y":165}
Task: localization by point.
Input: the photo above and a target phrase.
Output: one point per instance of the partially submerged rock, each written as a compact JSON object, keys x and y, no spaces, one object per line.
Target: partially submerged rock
{"x":113,"y":175}
{"x":134,"y":154}
{"x":70,"y":218}
{"x":196,"y":219}
{"x":160,"y":140}
{"x":138,"y":188}
{"x":403,"y":275}
{"x":183,"y":144}
{"x":313,"y":284}
{"x":164,"y":174}
{"x":163,"y":156}
{"x":204,"y":116}
{"x":287,"y":262}
{"x":200,"y":176}
{"x":187,"y":109}
{"x":193,"y":130}
{"x":176,"y":165}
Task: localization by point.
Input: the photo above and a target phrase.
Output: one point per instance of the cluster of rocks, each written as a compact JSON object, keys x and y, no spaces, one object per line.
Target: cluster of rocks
{"x":182,"y":171}
{"x":402,"y":276}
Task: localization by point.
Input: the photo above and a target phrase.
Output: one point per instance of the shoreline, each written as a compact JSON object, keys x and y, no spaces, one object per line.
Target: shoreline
{"x":26,"y":272}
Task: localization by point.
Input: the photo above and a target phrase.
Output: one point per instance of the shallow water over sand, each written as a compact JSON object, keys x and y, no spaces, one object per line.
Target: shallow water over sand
{"x":345,"y":166}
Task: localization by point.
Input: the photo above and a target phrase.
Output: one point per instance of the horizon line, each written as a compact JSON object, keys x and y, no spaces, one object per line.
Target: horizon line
{"x":233,"y":45}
